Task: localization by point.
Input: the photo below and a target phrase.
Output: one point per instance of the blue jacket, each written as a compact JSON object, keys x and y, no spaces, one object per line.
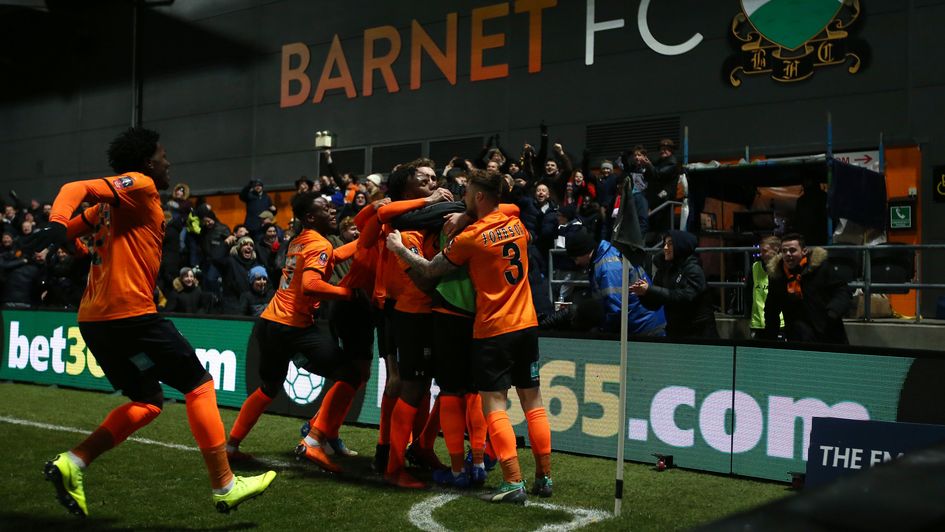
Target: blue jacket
{"x":605,"y":282}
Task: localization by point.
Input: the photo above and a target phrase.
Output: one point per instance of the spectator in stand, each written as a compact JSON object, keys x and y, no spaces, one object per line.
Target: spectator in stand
{"x":185,"y":295}
{"x":372,"y":185}
{"x":171,"y":259}
{"x":345,"y":185}
{"x":768,"y":248}
{"x":236,"y":274}
{"x":803,"y":286}
{"x":215,"y":243}
{"x":266,"y":219}
{"x":26,"y":227}
{"x":662,"y":187}
{"x":557,"y":168}
{"x":347,"y":232}
{"x":66,"y":275}
{"x":637,"y":167}
{"x":303,"y":184}
{"x":255,"y":301}
{"x":606,"y":279}
{"x":580,"y":191}
{"x":241,"y":230}
{"x":352,"y":209}
{"x":256,"y":201}
{"x":606,"y":196}
{"x":24,"y":278}
{"x":546,"y":222}
{"x":6,"y":243}
{"x":268,"y":249}
{"x":679,"y":286}
{"x":9,"y":215}
{"x":564,"y":267}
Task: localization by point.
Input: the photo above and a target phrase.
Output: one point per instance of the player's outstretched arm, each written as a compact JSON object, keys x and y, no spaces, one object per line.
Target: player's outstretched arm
{"x":428,"y":269}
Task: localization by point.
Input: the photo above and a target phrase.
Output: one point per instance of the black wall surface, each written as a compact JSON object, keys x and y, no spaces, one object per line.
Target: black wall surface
{"x":210,"y":83}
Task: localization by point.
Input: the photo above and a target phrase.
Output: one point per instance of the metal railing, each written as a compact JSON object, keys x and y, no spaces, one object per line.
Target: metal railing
{"x":866,"y":283}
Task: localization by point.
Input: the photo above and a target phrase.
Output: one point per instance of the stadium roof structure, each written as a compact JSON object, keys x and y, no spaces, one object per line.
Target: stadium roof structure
{"x":855,"y":193}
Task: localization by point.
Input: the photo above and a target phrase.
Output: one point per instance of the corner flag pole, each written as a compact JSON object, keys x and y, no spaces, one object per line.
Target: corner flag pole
{"x":622,"y":405}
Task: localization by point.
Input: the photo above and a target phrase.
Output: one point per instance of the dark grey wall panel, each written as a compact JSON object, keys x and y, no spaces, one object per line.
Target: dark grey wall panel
{"x":220,"y":118}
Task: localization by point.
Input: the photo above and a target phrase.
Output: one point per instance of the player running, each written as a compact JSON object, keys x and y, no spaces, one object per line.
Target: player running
{"x":135,"y":347}
{"x":505,"y":345}
{"x":287,"y":331}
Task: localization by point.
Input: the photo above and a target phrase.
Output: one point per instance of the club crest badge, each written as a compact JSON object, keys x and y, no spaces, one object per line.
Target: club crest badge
{"x":789,"y":39}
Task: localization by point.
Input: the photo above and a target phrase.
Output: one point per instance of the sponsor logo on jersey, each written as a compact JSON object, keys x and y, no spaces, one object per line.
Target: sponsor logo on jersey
{"x":123,"y":182}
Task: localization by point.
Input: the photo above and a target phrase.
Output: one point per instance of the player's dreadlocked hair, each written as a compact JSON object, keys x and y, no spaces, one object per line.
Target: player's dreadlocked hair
{"x":131,"y":150}
{"x":397,"y":181}
{"x":303,"y":203}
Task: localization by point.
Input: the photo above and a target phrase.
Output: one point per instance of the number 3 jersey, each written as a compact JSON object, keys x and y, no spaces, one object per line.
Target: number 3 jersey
{"x":496,"y":249}
{"x":290,"y":306}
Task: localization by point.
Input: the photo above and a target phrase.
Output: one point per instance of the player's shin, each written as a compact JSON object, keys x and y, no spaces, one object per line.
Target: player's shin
{"x":207,"y":428}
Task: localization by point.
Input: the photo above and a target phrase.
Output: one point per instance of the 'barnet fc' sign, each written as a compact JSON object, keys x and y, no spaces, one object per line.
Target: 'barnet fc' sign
{"x":788,"y":39}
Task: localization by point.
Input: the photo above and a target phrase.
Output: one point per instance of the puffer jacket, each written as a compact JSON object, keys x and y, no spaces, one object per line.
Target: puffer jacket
{"x":817,"y":315}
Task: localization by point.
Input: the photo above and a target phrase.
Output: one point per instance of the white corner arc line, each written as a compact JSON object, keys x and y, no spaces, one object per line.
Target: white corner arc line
{"x":421,"y":515}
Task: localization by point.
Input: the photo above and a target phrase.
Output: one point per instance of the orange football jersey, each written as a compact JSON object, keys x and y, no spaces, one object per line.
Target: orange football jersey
{"x":496,"y":250}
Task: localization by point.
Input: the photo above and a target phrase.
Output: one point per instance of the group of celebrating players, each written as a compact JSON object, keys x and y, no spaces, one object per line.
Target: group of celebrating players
{"x":443,"y":283}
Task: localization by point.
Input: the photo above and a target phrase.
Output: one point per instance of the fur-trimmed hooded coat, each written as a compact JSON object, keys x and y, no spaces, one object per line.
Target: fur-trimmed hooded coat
{"x":818,"y":315}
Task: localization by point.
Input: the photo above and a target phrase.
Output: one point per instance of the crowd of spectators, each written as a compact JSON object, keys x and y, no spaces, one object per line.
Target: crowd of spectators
{"x":210,"y":268}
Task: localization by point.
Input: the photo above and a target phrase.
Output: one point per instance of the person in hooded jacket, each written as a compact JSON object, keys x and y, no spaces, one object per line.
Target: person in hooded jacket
{"x":679,"y":286}
{"x":242,"y":259}
{"x":812,"y":297}
{"x":186,"y":296}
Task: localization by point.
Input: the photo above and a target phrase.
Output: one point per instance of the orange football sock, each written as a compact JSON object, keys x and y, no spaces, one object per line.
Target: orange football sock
{"x":207,"y":428}
{"x":252,"y":408}
{"x":503,"y":440}
{"x":118,"y":425}
{"x":539,"y":435}
{"x":432,"y":427}
{"x":333,"y":411}
{"x":476,"y":425}
{"x":387,"y":408}
{"x":453,"y":421}
{"x":401,"y":422}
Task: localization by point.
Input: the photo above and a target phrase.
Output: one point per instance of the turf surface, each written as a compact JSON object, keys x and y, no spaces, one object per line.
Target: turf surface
{"x":144,"y":486}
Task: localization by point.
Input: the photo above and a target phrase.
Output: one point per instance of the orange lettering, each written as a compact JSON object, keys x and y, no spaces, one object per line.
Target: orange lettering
{"x":336,"y":56}
{"x":481,"y":42}
{"x":446,"y":62}
{"x":383,"y":63}
{"x":533,"y":8}
{"x":289,"y":74}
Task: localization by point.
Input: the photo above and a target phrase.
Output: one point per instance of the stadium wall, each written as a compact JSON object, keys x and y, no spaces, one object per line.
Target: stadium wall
{"x":243,"y":85}
{"x":726,"y":407}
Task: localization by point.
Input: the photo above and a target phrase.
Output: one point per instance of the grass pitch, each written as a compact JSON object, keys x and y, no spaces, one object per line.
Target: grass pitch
{"x":161,"y":484}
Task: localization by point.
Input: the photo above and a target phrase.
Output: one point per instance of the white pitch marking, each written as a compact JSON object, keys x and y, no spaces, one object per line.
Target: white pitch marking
{"x":421,"y":515}
{"x":146,"y":441}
